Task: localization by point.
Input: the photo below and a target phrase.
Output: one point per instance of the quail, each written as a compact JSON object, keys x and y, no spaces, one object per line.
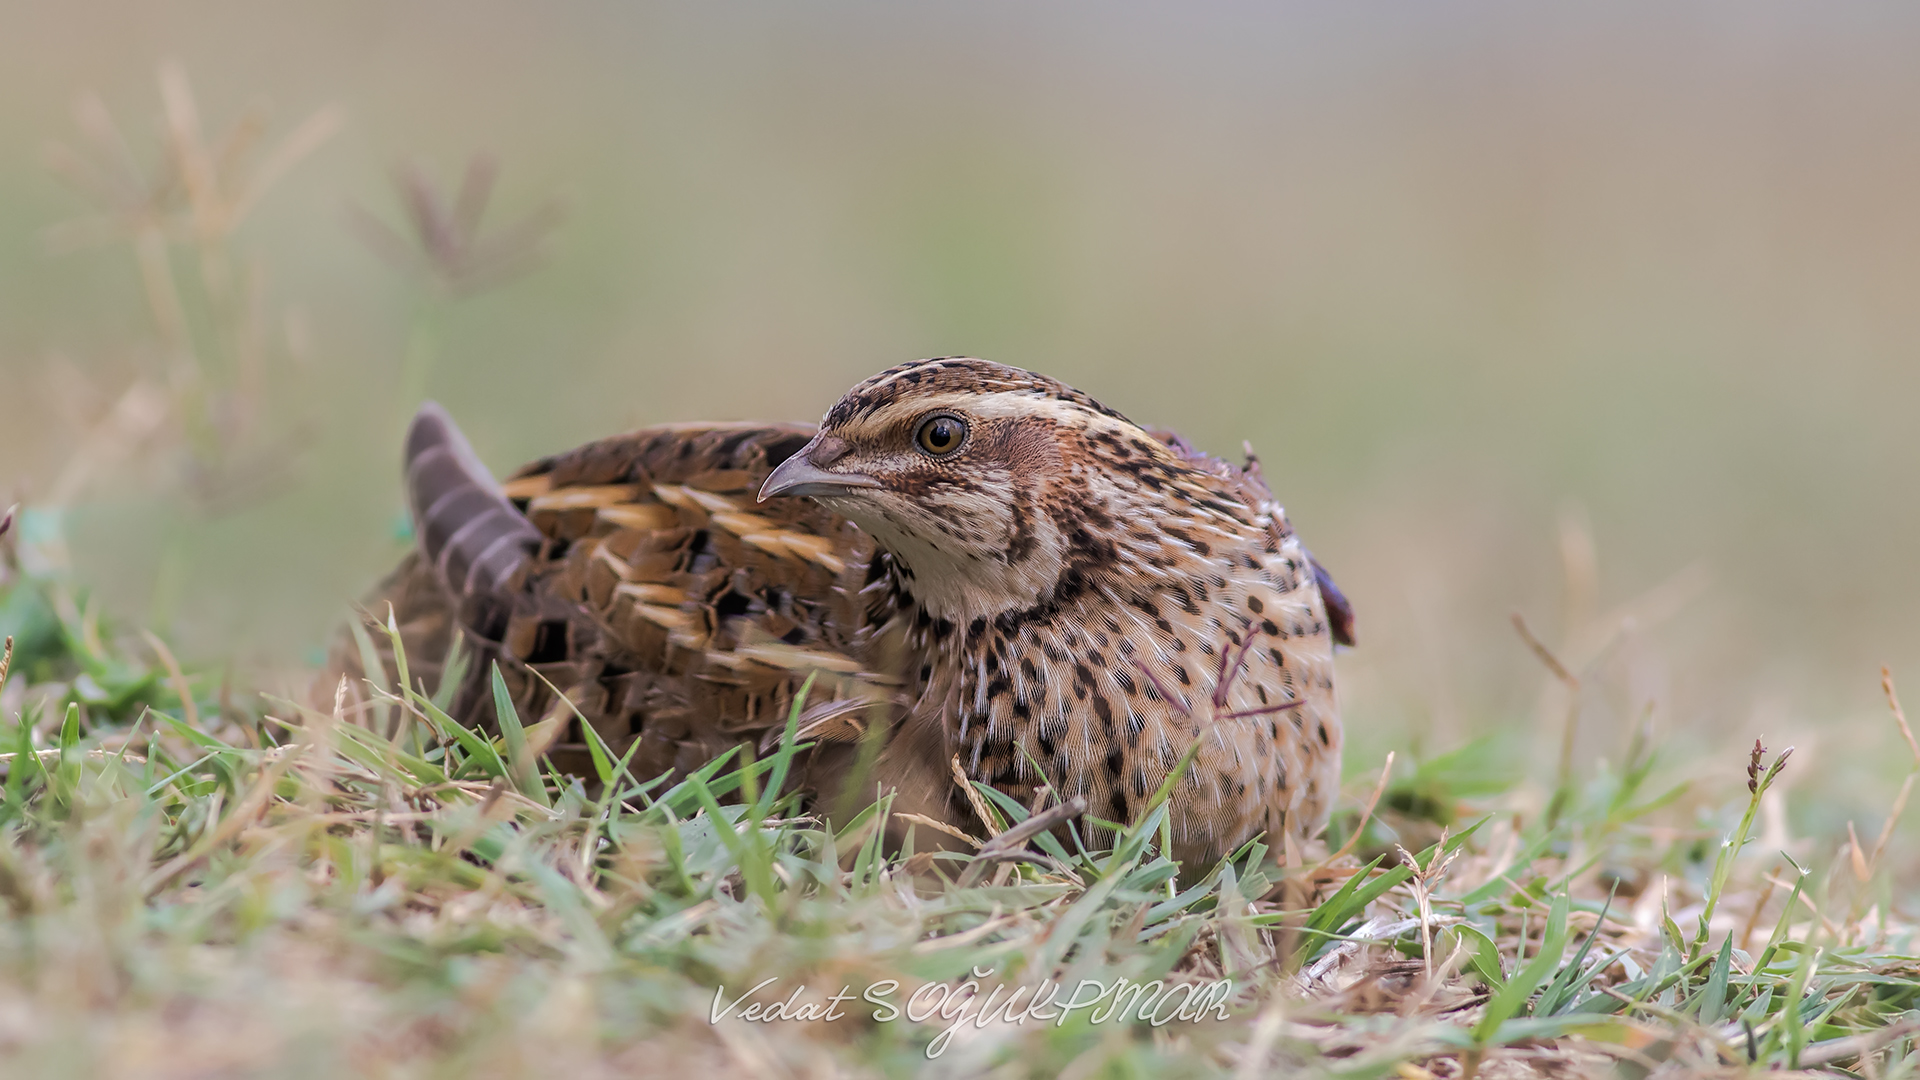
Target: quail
{"x":988,"y":568}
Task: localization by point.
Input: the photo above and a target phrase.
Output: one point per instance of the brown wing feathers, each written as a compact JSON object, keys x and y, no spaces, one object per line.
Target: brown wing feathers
{"x":637,"y":575}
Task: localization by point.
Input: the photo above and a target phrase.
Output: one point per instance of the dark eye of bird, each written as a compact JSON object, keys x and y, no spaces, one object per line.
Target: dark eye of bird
{"x":941,"y":435}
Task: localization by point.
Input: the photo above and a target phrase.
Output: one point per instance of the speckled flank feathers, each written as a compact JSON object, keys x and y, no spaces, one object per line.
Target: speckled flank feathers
{"x":1065,"y":599}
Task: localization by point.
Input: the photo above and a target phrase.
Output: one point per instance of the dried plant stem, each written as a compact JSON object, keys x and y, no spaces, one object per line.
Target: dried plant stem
{"x":1366,"y":815}
{"x":1899,"y":715}
{"x":1572,"y":683}
{"x":208,"y":312}
{"x":54,"y":753}
{"x":1010,"y":844}
{"x":938,"y":826}
{"x":175,"y":678}
{"x":1893,"y":819}
{"x":974,"y":798}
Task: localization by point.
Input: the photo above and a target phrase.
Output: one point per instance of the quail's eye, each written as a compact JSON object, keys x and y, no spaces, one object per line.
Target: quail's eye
{"x":941,"y":435}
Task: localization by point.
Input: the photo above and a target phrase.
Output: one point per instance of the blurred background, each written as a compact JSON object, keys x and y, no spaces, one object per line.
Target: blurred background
{"x":1608,"y":317}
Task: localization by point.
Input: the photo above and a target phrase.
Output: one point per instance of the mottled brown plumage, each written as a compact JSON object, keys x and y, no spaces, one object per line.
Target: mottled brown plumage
{"x":990,"y":564}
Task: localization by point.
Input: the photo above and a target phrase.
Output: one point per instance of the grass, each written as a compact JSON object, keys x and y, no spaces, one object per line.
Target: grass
{"x":196,"y":885}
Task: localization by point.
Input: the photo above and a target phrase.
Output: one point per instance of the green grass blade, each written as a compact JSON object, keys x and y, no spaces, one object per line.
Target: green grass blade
{"x":783,"y":756}
{"x":1513,"y":996}
{"x":1713,"y":999}
{"x":601,"y":754}
{"x":1569,"y":981}
{"x":479,"y":750}
{"x":453,"y":672}
{"x":1482,"y":955}
{"x":521,"y":768}
{"x":373,"y":669}
{"x":1336,"y":910}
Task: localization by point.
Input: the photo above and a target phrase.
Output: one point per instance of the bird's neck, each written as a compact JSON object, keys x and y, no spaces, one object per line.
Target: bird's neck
{"x":952,"y":601}
{"x":960,"y":588}
{"x":1050,"y":549}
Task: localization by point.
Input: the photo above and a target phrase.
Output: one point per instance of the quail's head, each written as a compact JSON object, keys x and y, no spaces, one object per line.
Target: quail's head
{"x":984,"y":481}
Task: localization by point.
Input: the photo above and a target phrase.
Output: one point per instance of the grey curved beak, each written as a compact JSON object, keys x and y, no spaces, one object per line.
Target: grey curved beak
{"x":798,"y":475}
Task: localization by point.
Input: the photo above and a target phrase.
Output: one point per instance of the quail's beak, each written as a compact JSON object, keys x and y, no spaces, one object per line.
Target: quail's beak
{"x":800,"y":475}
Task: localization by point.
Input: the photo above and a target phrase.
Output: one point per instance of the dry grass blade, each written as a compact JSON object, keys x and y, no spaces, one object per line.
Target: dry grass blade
{"x":938,"y":826}
{"x":119,"y":177}
{"x":1544,"y":654}
{"x":1893,"y":819}
{"x":1857,"y":856}
{"x":1899,"y":715}
{"x":445,"y":239}
{"x":974,"y":798}
{"x":175,"y":677}
{"x":1011,"y":844}
{"x":298,"y":144}
{"x":476,"y":187}
{"x":1254,"y":1057}
{"x":1059,"y":814}
{"x":1852,"y":1047}
{"x":96,"y":754}
{"x":1572,"y":683}
{"x":1366,"y":814}
{"x":188,"y":149}
{"x":1422,"y":882}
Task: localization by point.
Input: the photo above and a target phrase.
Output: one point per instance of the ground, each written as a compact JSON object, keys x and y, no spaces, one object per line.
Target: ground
{"x":196,"y":885}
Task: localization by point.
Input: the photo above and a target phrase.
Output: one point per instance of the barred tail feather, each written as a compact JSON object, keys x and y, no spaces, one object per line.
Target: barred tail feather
{"x":472,"y":536}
